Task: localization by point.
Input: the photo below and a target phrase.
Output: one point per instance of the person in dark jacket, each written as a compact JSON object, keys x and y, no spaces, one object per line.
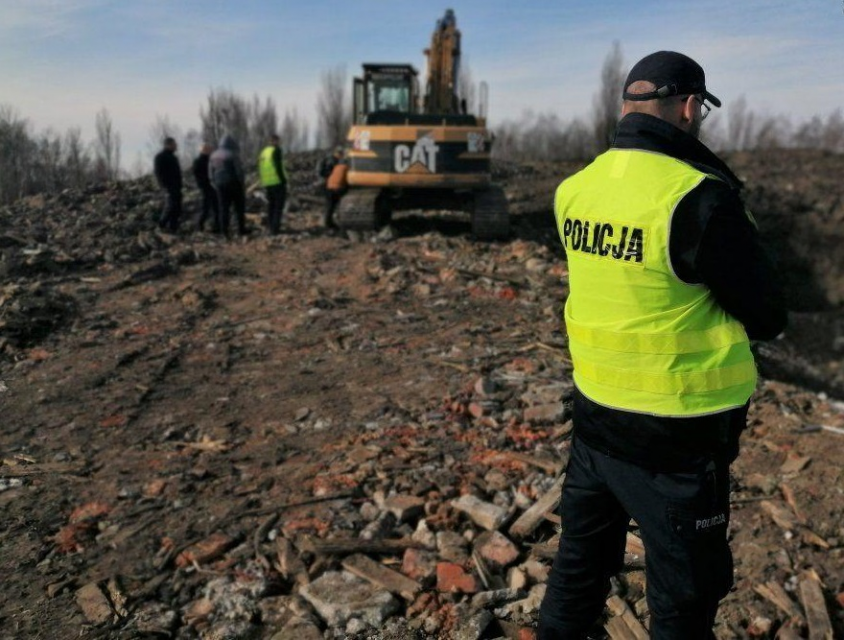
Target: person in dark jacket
{"x":332,"y":171}
{"x":273,"y":178}
{"x":225,"y":171}
{"x":168,"y":174}
{"x":210,"y":207}
{"x":669,"y":282}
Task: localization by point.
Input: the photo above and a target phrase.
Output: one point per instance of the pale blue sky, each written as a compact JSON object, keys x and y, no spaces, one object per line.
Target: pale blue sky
{"x":63,"y":60}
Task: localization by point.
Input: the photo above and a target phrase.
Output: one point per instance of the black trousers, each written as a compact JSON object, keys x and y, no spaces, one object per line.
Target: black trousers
{"x":210,"y":209}
{"x":172,"y":212}
{"x":332,"y":197}
{"x":276,"y":195}
{"x":683,"y":520}
{"x":232,"y":196}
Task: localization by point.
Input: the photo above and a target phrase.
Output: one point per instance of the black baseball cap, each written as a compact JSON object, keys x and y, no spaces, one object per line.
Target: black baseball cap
{"x":673,"y":74}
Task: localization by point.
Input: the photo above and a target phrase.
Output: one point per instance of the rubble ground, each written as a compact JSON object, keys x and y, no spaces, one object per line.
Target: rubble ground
{"x":321,"y":435}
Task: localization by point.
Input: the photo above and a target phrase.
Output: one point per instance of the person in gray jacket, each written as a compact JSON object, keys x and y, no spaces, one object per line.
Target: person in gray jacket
{"x":225,"y":170}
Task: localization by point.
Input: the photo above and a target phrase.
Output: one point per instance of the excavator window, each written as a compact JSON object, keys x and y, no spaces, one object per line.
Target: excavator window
{"x":389,"y":95}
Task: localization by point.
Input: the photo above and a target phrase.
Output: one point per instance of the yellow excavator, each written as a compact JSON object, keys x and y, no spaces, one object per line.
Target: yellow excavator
{"x":412,"y":150}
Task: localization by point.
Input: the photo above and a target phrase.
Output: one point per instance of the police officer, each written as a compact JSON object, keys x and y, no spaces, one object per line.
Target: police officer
{"x":668,"y":285}
{"x":274,"y":180}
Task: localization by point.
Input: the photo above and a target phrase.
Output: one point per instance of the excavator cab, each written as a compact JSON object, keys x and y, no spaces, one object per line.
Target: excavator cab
{"x":384,"y":92}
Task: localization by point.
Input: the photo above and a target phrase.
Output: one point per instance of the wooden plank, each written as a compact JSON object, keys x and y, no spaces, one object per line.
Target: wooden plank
{"x":546,"y":463}
{"x":530,"y":519}
{"x":780,"y":515}
{"x":376,"y":573}
{"x":776,"y":595}
{"x":623,"y":612}
{"x":341,"y":546}
{"x":617,"y":629}
{"x":817,"y":617}
{"x":25,"y":470}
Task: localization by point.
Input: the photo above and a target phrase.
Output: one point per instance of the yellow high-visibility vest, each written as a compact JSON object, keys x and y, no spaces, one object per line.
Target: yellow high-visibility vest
{"x":642,"y":340}
{"x":267,"y":170}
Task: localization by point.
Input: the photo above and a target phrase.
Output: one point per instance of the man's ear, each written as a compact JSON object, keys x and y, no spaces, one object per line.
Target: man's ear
{"x":689,"y":106}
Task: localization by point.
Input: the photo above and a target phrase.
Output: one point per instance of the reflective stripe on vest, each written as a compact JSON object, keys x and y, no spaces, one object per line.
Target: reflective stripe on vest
{"x":641,"y":339}
{"x":266,"y":167}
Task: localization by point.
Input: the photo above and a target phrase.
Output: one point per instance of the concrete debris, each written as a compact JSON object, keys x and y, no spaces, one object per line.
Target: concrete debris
{"x":338,"y":596}
{"x":319,"y":435}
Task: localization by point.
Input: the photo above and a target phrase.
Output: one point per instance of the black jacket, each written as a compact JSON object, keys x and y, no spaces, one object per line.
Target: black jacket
{"x":168,"y":173}
{"x":200,"y":171}
{"x":712,"y":242}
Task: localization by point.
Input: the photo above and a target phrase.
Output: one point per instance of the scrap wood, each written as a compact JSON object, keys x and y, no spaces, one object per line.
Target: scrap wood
{"x":817,"y":617}
{"x":788,"y":494}
{"x":624,"y":625}
{"x":813,"y":428}
{"x":774,"y":593}
{"x":544,"y":346}
{"x":376,"y":573}
{"x":24,"y":470}
{"x":788,"y":521}
{"x":290,"y":565}
{"x":340,"y":546}
{"x":547,"y":464}
{"x":530,"y":519}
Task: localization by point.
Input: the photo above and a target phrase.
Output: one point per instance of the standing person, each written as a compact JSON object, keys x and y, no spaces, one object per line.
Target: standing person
{"x":274,"y":180}
{"x":668,"y":284}
{"x":210,"y":205}
{"x":225,"y":170}
{"x":333,"y":169}
{"x":168,"y":174}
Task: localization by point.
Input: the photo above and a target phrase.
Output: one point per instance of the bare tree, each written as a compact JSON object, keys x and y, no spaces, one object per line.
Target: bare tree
{"x":15,"y":155}
{"x":294,"y":131}
{"x":263,"y":121}
{"x":607,"y":102}
{"x":76,"y":159}
{"x":161,"y":129}
{"x":334,"y":116}
{"x":226,"y":113}
{"x":106,"y":147}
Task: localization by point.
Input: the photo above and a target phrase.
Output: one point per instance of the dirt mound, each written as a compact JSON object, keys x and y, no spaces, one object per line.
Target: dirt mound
{"x":312,"y":436}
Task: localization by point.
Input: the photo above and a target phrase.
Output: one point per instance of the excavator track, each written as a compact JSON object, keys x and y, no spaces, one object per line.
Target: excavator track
{"x":491,"y":218}
{"x":358,"y":210}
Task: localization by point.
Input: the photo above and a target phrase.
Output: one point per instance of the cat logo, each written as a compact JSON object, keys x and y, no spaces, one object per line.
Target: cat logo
{"x":422,"y":158}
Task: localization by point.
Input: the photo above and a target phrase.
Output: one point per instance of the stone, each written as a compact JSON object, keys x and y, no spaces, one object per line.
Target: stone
{"x":452,"y":546}
{"x":553,"y":412}
{"x":496,"y":480}
{"x":484,"y":386}
{"x":470,"y":626}
{"x":516,"y":578}
{"x":298,"y":629}
{"x":496,"y":549}
{"x":545,"y":394}
{"x":484,"y":514}
{"x":492,"y":599}
{"x":452,"y":578}
{"x":419,"y":564}
{"x":338,"y":596}
{"x":94,"y":603}
{"x":404,"y":507}
{"x":155,"y":618}
{"x":424,"y":536}
{"x":476,"y":409}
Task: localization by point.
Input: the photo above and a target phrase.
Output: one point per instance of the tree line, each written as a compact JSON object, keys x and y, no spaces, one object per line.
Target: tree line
{"x":33,"y":162}
{"x":548,"y":137}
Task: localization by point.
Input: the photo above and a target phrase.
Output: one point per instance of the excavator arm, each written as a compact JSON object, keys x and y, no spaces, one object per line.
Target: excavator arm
{"x":443,"y":67}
